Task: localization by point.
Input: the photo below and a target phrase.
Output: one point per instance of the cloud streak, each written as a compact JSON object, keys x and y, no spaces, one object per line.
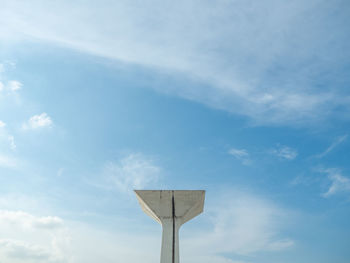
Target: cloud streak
{"x":265,"y":61}
{"x":339,"y":183}
{"x":243,"y":224}
{"x":285,"y":152}
{"x":29,"y":238}
{"x":27,"y":220}
{"x":237,"y":223}
{"x":6,"y":137}
{"x":11,"y":140}
{"x":335,"y":143}
{"x":241,"y":155}
{"x":134,"y":171}
{"x":18,"y":251}
{"x":8,"y":161}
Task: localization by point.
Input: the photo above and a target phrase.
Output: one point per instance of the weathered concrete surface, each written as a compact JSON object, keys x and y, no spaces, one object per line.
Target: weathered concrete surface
{"x":171,"y":208}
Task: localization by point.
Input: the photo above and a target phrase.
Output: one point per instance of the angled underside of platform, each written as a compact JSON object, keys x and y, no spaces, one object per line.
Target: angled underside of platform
{"x":171,"y":208}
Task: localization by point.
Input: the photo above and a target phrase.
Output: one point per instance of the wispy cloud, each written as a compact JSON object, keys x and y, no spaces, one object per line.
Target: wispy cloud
{"x":335,"y":143}
{"x":241,"y":154}
{"x":236,"y":224}
{"x":19,"y":251}
{"x":8,"y":161}
{"x":5,"y":65}
{"x":284,"y":152}
{"x":11,"y":87}
{"x":134,"y":171}
{"x":6,"y":137}
{"x":271,"y":70}
{"x":27,"y":220}
{"x":339,"y":183}
{"x":303,"y":180}
{"x":38,"y":121}
{"x":29,"y":238}
{"x":14,"y":85}
{"x":12,"y":143}
{"x":243,"y":224}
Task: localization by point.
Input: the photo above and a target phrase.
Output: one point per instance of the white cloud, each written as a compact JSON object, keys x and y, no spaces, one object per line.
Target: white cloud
{"x":253,"y":221}
{"x":48,"y":222}
{"x":280,"y":244}
{"x":134,"y":171}
{"x":237,"y":224}
{"x":9,"y":91}
{"x":14,"y":85}
{"x":38,"y":121}
{"x":285,"y":152}
{"x":5,"y":64}
{"x":17,"y":251}
{"x":29,"y":221}
{"x":240,"y":154}
{"x":303,"y":180}
{"x":265,"y":61}
{"x":243,"y":224}
{"x":11,"y":140}
{"x":335,"y":143}
{"x":8,"y":161}
{"x":24,"y":241}
{"x":11,"y":87}
{"x":26,"y":238}
{"x":339,"y":183}
{"x":5,"y":137}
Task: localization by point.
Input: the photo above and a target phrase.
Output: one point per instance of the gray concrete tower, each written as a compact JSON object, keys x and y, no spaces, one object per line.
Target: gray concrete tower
{"x":171,"y":208}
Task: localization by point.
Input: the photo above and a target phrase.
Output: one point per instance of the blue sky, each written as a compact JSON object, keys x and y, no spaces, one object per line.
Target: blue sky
{"x":248,"y":100}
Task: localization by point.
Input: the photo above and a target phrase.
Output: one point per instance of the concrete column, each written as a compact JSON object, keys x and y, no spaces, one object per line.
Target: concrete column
{"x":170,"y":242}
{"x":171,"y":208}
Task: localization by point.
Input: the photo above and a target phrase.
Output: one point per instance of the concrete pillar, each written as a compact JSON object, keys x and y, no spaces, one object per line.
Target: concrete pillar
{"x":171,"y":208}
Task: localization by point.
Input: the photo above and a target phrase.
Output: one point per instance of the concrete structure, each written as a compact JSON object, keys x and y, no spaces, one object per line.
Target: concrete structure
{"x":171,"y":208}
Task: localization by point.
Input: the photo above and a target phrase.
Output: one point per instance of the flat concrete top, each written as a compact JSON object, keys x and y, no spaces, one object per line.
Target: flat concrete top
{"x":159,"y":204}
